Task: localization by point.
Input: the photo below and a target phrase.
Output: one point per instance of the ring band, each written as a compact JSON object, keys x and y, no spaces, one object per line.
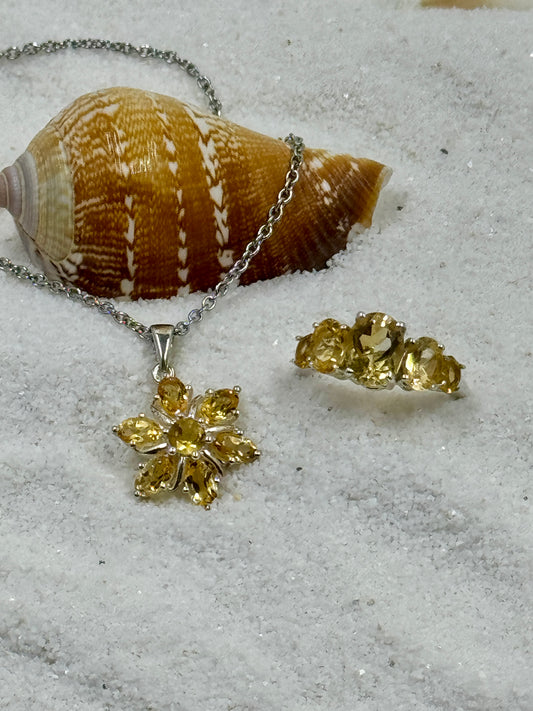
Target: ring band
{"x":374,"y":353}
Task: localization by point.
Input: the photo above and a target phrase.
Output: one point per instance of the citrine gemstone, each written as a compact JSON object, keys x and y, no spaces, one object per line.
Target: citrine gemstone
{"x":451,"y":375}
{"x":140,"y":432}
{"x":328,"y":346}
{"x":422,"y":364}
{"x":159,"y":473}
{"x":424,"y":367}
{"x":231,"y":447}
{"x":377,"y":348}
{"x":187,"y":436}
{"x":303,"y":353}
{"x":218,"y":407}
{"x":200,"y":477}
{"x":173,"y":395}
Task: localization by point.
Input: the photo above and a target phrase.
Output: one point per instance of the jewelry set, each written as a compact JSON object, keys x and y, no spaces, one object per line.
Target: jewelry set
{"x":132,"y":194}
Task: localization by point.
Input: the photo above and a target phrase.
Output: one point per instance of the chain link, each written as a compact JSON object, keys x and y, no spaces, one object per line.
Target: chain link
{"x":252,"y":248}
{"x":275,"y":213}
{"x":143,"y":51}
{"x":41,"y":281}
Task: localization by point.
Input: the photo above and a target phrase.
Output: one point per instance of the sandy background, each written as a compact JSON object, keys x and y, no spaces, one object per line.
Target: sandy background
{"x":378,"y":556}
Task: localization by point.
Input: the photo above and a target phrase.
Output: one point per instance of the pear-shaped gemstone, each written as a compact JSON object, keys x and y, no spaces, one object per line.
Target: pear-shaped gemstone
{"x":140,"y":432}
{"x":159,"y":473}
{"x":219,"y":407}
{"x":173,"y":395}
{"x":200,"y":477}
{"x":231,"y":447}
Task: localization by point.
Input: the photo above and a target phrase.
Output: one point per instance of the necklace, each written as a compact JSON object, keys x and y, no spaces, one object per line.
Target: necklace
{"x":191,"y":440}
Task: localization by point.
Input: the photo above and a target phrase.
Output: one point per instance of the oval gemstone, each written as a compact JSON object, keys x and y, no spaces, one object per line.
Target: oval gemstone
{"x":187,"y":436}
{"x":231,"y":447}
{"x":422,"y":364}
{"x":201,"y":481}
{"x":173,"y":395}
{"x":424,"y":367}
{"x":159,"y":473}
{"x":302,"y":356}
{"x":328,"y":346}
{"x":377,"y":350}
{"x":219,"y":407}
{"x":451,"y":375}
{"x":140,"y":432}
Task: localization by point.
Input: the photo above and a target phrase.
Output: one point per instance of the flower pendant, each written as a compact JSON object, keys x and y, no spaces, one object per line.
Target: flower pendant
{"x":190,"y":441}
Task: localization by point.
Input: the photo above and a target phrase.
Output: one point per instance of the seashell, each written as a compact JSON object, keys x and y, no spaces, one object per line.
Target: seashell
{"x":130,"y":193}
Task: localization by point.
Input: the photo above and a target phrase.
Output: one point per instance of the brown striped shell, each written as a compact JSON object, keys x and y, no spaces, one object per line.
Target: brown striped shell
{"x":130,"y":193}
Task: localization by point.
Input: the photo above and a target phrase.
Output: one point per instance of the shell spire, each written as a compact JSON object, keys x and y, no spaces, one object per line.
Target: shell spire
{"x":10,"y":191}
{"x":131,"y":193}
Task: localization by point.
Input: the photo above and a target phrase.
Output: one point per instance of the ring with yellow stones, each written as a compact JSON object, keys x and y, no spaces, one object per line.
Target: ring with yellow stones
{"x":374,"y":353}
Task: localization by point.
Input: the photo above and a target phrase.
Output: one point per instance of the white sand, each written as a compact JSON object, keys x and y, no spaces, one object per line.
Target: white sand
{"x":377,"y":557}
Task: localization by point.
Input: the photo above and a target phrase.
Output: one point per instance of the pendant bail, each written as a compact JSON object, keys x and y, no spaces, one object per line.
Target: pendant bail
{"x":162,"y":338}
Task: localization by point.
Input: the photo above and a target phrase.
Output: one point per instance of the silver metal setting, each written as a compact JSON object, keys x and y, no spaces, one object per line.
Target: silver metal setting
{"x":162,"y":338}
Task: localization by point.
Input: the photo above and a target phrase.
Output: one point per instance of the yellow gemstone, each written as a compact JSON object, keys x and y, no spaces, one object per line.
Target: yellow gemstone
{"x":422,"y":364}
{"x":451,"y":375}
{"x":328,"y":346}
{"x":159,"y":473}
{"x":173,"y":395}
{"x":302,"y":356}
{"x":231,"y":447}
{"x":377,"y":350}
{"x":424,"y":367}
{"x":219,"y":407}
{"x":201,"y":481}
{"x":187,"y":436}
{"x":140,"y":432}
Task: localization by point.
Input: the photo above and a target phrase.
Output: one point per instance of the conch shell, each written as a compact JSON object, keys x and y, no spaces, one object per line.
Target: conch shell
{"x":130,"y":193}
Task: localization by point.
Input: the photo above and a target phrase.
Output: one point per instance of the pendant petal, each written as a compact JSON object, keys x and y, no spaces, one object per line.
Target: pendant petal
{"x":219,"y":407}
{"x":201,"y":481}
{"x":173,"y":396}
{"x":231,"y":447}
{"x":142,"y":433}
{"x":159,"y":473}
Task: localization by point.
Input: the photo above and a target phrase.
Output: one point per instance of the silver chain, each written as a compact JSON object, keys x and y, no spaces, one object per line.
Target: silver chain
{"x":252,"y":248}
{"x":143,"y":51}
